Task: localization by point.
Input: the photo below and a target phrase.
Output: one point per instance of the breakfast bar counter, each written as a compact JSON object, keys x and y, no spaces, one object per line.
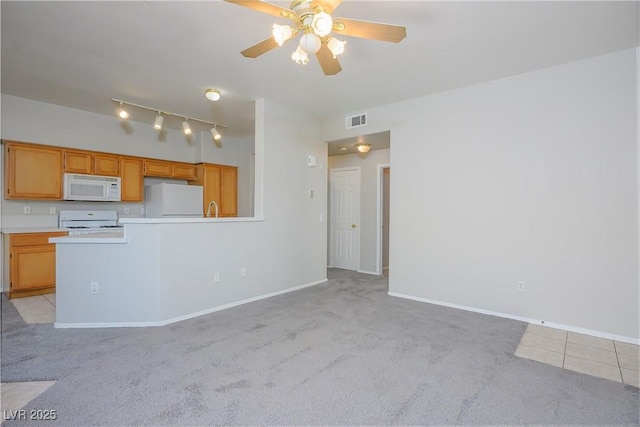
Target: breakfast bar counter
{"x":160,"y":271}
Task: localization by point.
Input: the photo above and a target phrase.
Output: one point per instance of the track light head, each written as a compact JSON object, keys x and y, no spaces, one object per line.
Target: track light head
{"x":157,"y":125}
{"x":124,"y":114}
{"x":185,"y":127}
{"x":215,"y":134}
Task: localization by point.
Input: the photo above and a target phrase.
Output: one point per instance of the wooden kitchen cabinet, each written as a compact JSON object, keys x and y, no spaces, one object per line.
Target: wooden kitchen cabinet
{"x":220,"y":184}
{"x":32,"y":172}
{"x":77,"y":162}
{"x":168,"y":169}
{"x":32,"y":266}
{"x":87,"y":162}
{"x":183,"y":171}
{"x":160,"y":168}
{"x":132,"y":185}
{"x":106,"y":164}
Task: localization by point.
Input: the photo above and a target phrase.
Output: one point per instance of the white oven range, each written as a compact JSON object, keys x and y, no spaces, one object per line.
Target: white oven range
{"x":85,"y":221}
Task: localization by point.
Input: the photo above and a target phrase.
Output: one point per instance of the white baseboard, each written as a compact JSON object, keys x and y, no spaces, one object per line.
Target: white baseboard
{"x":569,"y":328}
{"x":373,"y":273}
{"x":186,"y":316}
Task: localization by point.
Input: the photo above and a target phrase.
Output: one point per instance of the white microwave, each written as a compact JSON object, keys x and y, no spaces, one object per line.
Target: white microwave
{"x":93,"y":188}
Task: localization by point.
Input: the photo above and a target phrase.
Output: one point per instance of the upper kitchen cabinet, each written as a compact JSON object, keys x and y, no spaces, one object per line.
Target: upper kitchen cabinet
{"x":86,"y":162}
{"x":32,"y":172}
{"x":168,"y":169}
{"x":132,"y":186}
{"x":183,"y":171}
{"x":160,"y":168}
{"x":220,"y":183}
{"x":106,"y":164}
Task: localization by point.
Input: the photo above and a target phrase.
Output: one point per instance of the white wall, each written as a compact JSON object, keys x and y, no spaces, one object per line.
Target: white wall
{"x":368,"y":200}
{"x":37,"y":122}
{"x":529,"y":178}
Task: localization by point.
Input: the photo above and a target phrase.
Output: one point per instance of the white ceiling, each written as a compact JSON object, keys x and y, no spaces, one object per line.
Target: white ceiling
{"x":164,"y":54}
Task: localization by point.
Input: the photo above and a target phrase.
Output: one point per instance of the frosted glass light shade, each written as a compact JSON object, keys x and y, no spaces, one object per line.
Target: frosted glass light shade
{"x":310,"y":43}
{"x":322,"y":24}
{"x":336,"y":46}
{"x":281,"y":33}
{"x":300,"y":56}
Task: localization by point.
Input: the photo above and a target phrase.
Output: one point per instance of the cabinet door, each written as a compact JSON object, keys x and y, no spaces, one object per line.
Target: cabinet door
{"x":33,"y":172}
{"x":229,"y":191}
{"x":157,"y":168}
{"x":33,"y":267}
{"x":132,"y":189}
{"x":211,"y":186}
{"x":77,"y":162}
{"x":184,"y":171}
{"x":105,"y":164}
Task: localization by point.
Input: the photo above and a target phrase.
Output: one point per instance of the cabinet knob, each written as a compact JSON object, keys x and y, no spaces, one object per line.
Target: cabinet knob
{"x":353,"y":226}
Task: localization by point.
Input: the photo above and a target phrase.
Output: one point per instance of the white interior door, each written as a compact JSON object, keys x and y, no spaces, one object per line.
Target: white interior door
{"x":345,"y":218}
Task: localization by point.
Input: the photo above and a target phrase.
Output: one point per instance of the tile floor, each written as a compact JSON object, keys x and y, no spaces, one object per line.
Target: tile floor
{"x":36,"y":309}
{"x":599,"y":357}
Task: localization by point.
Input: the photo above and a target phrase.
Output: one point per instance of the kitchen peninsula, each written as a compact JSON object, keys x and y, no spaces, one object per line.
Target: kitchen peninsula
{"x":159,"y":271}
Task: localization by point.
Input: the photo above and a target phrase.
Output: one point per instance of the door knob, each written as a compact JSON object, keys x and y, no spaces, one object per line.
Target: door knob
{"x":353,"y":226}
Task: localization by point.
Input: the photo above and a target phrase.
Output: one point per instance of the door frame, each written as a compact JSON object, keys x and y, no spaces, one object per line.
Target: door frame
{"x":379,"y":200}
{"x":330,"y":222}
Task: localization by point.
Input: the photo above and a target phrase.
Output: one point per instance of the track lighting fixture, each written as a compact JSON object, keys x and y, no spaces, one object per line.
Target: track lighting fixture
{"x":157,"y":125}
{"x":212,"y":94}
{"x":160,"y":115}
{"x":124,"y":114}
{"x":185,"y":127}
{"x":215,"y":134}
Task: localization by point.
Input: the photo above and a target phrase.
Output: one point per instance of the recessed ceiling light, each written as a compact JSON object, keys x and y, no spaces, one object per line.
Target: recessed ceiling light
{"x":343,"y":148}
{"x":212,"y":94}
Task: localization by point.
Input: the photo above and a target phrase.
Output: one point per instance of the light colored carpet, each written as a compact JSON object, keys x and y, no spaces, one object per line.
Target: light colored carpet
{"x":340,"y":353}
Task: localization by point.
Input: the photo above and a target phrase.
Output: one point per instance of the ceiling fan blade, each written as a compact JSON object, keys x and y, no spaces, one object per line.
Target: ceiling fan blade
{"x":263,"y":47}
{"x":263,"y":7}
{"x":330,"y":65}
{"x":328,"y":5}
{"x":369,"y":30}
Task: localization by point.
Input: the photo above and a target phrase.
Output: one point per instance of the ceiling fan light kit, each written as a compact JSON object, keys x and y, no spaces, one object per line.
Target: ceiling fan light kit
{"x":313,"y":19}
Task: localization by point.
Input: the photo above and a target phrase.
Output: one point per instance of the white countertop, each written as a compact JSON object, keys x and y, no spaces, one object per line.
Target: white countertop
{"x":182,"y":220}
{"x":108,"y":237}
{"x":15,"y":230}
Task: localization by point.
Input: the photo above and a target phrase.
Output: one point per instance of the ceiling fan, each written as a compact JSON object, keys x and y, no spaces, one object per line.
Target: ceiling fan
{"x":312,"y":18}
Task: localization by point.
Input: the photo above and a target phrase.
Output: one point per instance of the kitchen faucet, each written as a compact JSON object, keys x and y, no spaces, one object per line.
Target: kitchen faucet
{"x":209,"y":208}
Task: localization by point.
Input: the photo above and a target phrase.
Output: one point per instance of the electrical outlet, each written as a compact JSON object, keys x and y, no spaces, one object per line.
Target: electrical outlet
{"x":520,"y":286}
{"x":52,"y":210}
{"x":27,"y":210}
{"x":94,"y":288}
{"x":243,"y":271}
{"x":141,"y":211}
{"x":126,"y":210}
{"x":216,"y":277}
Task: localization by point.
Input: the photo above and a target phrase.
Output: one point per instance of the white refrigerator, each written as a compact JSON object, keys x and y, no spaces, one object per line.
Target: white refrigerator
{"x":173,"y":200}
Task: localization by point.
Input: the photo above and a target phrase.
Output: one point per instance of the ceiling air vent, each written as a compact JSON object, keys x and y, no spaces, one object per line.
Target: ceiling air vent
{"x":356,"y":121}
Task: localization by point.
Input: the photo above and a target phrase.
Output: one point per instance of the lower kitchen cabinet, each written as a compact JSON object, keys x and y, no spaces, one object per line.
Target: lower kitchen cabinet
{"x":32,"y":265}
